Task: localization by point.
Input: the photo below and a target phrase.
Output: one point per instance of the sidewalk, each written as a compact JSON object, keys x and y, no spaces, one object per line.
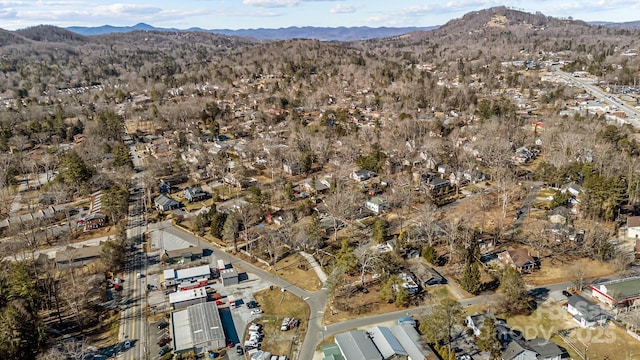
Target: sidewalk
{"x":314,"y":264}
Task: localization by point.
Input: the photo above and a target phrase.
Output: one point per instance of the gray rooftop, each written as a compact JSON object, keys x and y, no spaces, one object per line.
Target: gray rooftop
{"x":194,"y":272}
{"x":228,"y":273}
{"x":356,"y":345}
{"x":410,"y":340}
{"x":386,"y":342}
{"x":205,"y":323}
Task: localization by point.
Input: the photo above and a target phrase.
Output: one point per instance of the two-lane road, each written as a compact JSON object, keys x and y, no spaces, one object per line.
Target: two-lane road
{"x":133,"y":320}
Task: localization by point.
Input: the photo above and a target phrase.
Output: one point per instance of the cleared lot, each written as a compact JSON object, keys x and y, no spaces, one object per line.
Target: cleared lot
{"x":278,"y":305}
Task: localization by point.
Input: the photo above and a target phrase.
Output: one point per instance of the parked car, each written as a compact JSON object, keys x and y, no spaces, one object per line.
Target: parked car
{"x":252,"y":304}
{"x":165,"y":350}
{"x":285,"y":324}
{"x":256,"y":311}
{"x":566,"y":293}
{"x":239,"y":350}
{"x":127,"y":344}
{"x":164,"y":341}
{"x":163,"y":325}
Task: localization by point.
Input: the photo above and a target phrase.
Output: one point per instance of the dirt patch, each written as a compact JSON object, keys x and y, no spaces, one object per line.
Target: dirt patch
{"x":553,"y":270}
{"x":276,"y":306}
{"x":96,"y":233}
{"x":297,"y":270}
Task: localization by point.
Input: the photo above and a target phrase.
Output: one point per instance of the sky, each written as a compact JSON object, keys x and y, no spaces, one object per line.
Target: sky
{"x":252,"y":14}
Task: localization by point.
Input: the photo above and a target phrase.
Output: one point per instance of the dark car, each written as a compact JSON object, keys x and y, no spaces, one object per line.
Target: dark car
{"x":164,"y":341}
{"x":163,"y":325}
{"x":165,"y":350}
{"x":239,"y":350}
{"x":252,"y":304}
{"x":566,"y":293}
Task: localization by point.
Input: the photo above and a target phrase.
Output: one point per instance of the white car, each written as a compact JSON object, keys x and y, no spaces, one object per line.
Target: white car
{"x":127,"y":344}
{"x":256,"y":311}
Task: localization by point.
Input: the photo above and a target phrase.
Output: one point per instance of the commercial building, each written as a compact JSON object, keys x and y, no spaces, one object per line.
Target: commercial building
{"x":198,"y":328}
{"x":229,"y":276}
{"x":175,"y":277}
{"x":623,"y":292}
{"x":182,"y":299}
{"x":400,"y":342}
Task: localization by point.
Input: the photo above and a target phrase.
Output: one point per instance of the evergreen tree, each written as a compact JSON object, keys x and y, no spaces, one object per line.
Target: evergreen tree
{"x":345,"y":258}
{"x":470,"y":280}
{"x":488,"y":340}
{"x":379,"y":231}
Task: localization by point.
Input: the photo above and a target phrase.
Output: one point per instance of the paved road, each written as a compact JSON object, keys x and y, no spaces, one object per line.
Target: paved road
{"x":133,"y":321}
{"x":317,"y":300}
{"x":630,"y":111}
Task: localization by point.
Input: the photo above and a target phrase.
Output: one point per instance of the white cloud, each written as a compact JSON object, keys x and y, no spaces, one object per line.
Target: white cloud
{"x":345,"y":8}
{"x":271,"y":3}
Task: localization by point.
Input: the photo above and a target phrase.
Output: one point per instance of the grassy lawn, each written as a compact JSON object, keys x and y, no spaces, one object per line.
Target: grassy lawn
{"x":370,"y":304}
{"x":276,"y":306}
{"x":292,"y":268}
{"x":611,"y":343}
{"x":554,"y":270}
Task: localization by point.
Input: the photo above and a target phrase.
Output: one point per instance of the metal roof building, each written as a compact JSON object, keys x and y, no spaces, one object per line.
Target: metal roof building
{"x":387,"y":343}
{"x":182,"y":299}
{"x":411,"y":342}
{"x":356,"y":345}
{"x":198,"y":328}
{"x":173,"y":277}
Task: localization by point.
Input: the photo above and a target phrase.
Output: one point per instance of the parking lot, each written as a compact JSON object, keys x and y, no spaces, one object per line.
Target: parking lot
{"x":235,"y":314}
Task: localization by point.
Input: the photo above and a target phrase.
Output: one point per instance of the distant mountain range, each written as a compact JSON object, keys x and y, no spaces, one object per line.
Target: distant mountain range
{"x":620,"y":25}
{"x":307,"y":32}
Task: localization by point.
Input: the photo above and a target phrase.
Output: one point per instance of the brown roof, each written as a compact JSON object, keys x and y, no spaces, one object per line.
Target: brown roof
{"x":520,"y":257}
{"x":171,"y":254}
{"x":72,"y":254}
{"x":633,"y":221}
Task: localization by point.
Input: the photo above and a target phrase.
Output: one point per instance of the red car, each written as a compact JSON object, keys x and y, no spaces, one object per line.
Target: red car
{"x":164,"y":341}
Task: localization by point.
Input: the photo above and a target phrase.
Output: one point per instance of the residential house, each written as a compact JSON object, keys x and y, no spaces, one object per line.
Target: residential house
{"x":195,"y":193}
{"x":292,"y":168}
{"x":407,"y":283}
{"x":586,"y":313}
{"x":376,"y":204}
{"x":633,"y":227}
{"x":523,"y":155}
{"x":519,"y":259}
{"x":572,"y":188}
{"x":486,"y":243}
{"x":315,"y":186}
{"x":95,"y":221}
{"x":504,"y":333}
{"x":164,"y":203}
{"x":559,"y":215}
{"x":75,"y":257}
{"x":435,"y":184}
{"x":622,"y":292}
{"x":426,"y":275}
{"x":534,"y":349}
{"x":475,"y":322}
{"x":362,"y":175}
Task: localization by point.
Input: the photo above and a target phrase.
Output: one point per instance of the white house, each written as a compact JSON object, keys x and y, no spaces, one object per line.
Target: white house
{"x":376,"y":204}
{"x":586,"y":313}
{"x":633,"y":227}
